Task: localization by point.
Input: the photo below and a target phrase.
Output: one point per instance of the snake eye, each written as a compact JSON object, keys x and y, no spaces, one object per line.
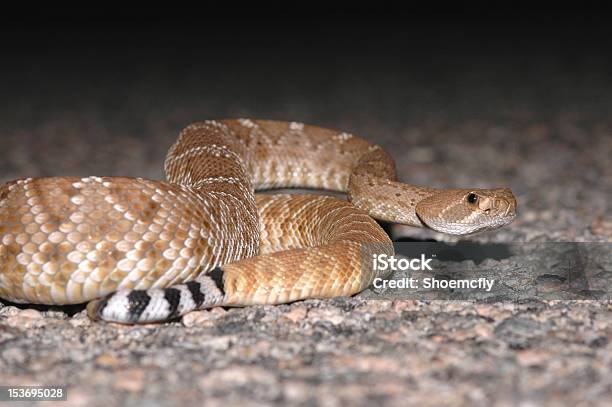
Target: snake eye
{"x":472,"y":198}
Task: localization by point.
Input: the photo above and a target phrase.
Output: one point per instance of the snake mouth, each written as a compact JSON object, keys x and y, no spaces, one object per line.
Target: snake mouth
{"x":462,"y":228}
{"x":451,"y":228}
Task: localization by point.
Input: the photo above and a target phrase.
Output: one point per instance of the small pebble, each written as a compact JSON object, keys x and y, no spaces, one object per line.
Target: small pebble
{"x":602,"y":226}
{"x":25,"y":319}
{"x":107,"y":360}
{"x":296,"y":314}
{"x":131,"y":380}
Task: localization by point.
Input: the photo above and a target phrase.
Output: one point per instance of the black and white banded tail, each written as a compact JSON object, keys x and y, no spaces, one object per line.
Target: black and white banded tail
{"x":160,"y":304}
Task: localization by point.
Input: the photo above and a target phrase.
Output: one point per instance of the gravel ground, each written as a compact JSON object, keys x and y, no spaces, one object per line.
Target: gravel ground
{"x":537,"y":121}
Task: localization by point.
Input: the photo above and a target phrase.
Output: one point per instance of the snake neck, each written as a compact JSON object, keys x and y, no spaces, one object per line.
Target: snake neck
{"x":372,"y":187}
{"x":387,"y":200}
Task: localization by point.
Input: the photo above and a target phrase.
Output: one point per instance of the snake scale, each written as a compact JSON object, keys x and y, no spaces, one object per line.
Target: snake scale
{"x":142,"y":251}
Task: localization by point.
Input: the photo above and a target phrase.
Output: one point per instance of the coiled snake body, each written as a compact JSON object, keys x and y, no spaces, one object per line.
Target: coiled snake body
{"x":142,"y":250}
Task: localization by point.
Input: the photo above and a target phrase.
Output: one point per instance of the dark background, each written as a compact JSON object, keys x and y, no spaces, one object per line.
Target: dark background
{"x":407,"y":66}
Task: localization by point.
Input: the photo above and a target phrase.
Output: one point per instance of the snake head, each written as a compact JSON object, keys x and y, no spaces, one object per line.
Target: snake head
{"x":466,"y":211}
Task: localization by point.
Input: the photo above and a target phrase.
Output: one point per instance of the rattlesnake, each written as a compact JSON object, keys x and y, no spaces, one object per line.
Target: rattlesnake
{"x":141,"y":250}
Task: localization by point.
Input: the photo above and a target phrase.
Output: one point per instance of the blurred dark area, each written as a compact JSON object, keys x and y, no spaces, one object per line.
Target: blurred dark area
{"x":421,"y":63}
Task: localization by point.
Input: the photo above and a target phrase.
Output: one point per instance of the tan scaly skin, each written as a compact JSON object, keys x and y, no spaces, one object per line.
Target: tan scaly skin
{"x":143,"y":251}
